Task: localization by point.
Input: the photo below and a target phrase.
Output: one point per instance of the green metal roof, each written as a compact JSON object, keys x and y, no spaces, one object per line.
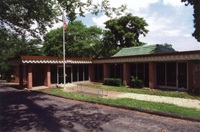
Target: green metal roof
{"x":146,"y":49}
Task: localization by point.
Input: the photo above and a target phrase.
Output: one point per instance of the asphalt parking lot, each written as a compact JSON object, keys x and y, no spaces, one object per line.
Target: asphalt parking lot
{"x":27,"y":111}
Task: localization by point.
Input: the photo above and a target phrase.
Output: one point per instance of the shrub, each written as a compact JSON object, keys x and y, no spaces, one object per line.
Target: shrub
{"x":124,"y":84}
{"x":113,"y":81}
{"x":136,"y":83}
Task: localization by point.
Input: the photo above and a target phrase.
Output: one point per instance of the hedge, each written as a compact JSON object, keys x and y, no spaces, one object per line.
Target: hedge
{"x":113,"y":81}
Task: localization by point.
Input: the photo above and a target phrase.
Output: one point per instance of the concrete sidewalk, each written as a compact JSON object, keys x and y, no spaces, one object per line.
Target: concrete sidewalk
{"x":189,"y":103}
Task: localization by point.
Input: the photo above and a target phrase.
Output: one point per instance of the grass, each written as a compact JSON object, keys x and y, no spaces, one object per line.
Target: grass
{"x":146,"y":105}
{"x":177,"y":94}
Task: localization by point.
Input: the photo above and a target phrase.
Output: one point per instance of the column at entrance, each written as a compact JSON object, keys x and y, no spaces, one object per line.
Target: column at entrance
{"x":30,"y":77}
{"x":17,"y":74}
{"x":48,"y":76}
{"x":21,"y":75}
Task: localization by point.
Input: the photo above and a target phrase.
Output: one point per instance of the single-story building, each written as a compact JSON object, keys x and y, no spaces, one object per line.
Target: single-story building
{"x":159,"y":66}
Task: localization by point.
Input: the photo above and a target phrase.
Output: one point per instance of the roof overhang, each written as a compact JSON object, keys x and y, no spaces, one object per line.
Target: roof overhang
{"x":176,"y":56}
{"x":49,"y":60}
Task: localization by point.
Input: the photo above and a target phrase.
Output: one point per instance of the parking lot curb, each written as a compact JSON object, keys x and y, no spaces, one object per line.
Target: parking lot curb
{"x":130,"y":108}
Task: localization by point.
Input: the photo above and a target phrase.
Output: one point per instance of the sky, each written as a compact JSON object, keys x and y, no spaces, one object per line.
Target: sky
{"x":170,"y":21}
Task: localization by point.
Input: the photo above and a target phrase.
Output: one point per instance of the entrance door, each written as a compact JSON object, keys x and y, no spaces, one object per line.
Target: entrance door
{"x":68,"y":74}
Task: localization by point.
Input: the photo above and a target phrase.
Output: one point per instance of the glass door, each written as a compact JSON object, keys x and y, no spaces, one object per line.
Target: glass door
{"x":182,"y":75}
{"x":68,"y":71}
{"x":161,"y":74}
{"x":171,"y":74}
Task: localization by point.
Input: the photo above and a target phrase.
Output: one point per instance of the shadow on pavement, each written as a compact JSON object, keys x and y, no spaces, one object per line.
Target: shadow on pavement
{"x":26,"y":111}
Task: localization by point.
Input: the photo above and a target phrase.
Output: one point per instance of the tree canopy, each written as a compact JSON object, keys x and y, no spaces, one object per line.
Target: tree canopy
{"x":107,"y":46}
{"x":13,"y":46}
{"x":81,"y":41}
{"x":196,"y":6}
{"x":127,"y":29}
{"x":21,"y":15}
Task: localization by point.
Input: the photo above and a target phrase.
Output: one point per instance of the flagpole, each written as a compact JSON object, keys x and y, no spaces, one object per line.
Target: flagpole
{"x":64,"y":75}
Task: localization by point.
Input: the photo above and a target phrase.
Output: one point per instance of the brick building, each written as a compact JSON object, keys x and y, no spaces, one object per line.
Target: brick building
{"x":157,"y":65}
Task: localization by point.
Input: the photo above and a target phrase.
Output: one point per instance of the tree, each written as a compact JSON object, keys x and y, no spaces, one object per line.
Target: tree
{"x":196,"y":6}
{"x":107,"y":46}
{"x":52,"y":45}
{"x":13,"y":46}
{"x":21,"y":15}
{"x":127,"y":29}
{"x":80,"y":41}
{"x":94,"y":35}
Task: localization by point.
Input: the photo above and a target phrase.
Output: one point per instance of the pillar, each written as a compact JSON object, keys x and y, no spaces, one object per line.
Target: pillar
{"x":17,"y":73}
{"x":126,"y":73}
{"x":190,"y":76}
{"x":91,"y":73}
{"x":21,"y":75}
{"x":152,"y":75}
{"x":48,"y":76}
{"x":197,"y":77}
{"x":30,"y":77}
{"x":194,"y":77}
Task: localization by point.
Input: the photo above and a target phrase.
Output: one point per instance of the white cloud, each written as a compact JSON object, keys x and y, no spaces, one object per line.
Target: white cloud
{"x":173,"y":2}
{"x":173,"y":32}
{"x":133,"y":4}
{"x":186,"y":43}
{"x":100,"y":20}
{"x":169,"y":21}
{"x":156,"y":22}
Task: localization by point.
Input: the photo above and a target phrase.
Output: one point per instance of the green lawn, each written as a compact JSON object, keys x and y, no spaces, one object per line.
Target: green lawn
{"x":146,"y":105}
{"x":145,"y":91}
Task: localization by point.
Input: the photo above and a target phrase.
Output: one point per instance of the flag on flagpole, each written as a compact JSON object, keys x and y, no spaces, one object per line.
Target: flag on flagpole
{"x":64,"y":23}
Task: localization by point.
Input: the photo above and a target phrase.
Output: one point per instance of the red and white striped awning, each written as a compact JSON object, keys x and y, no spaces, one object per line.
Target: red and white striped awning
{"x":49,"y":60}
{"x":27,"y":61}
